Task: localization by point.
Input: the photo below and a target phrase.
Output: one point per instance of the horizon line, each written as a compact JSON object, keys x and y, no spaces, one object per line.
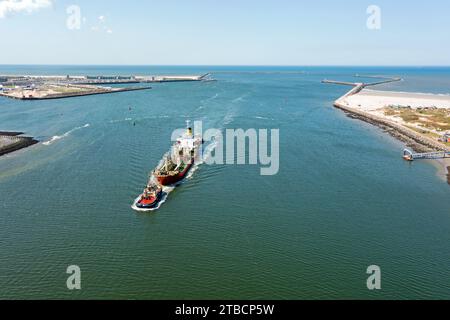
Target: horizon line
{"x":229,"y":65}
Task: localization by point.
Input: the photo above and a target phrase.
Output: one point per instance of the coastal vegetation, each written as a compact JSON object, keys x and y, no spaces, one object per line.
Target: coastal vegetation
{"x":437,"y":119}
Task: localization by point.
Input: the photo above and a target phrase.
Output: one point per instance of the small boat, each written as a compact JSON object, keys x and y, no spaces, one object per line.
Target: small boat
{"x":150,"y":198}
{"x":408,"y":155}
{"x":176,"y":165}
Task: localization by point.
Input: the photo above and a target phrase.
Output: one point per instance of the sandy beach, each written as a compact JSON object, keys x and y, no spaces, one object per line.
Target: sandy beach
{"x":371,"y":100}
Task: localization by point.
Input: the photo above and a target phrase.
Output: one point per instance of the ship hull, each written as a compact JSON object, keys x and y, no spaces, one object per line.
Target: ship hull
{"x":151,"y":205}
{"x":174,"y":179}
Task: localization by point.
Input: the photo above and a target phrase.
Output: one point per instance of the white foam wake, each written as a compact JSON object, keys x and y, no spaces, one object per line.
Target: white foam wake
{"x":263,"y":118}
{"x":207,"y":152}
{"x":68,"y":133}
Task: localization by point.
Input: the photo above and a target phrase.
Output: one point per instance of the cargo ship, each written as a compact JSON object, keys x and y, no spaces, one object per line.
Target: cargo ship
{"x":173,"y":169}
{"x":179,"y":161}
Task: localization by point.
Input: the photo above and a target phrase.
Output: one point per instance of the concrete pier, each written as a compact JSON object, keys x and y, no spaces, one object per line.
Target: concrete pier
{"x":364,"y":85}
{"x":411,"y":156}
{"x":10,"y":142}
{"x":352,"y":84}
{"x":172,"y":78}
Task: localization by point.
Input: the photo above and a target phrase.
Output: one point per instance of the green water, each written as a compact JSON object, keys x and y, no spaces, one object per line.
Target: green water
{"x":342,"y":201}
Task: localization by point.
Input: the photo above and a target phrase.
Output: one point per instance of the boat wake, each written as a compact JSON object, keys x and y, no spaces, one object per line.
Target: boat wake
{"x":233,"y":109}
{"x":207,"y":153}
{"x":138,"y":119}
{"x":123,"y":120}
{"x":264,"y":118}
{"x":68,"y":133}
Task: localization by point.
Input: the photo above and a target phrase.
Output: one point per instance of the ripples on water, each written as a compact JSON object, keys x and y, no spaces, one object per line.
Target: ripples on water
{"x":343,"y":199}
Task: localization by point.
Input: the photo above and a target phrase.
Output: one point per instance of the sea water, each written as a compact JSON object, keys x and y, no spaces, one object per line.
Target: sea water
{"x":343,"y":199}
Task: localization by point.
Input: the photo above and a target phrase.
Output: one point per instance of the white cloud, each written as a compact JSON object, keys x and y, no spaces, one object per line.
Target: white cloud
{"x":102,"y":25}
{"x":15,"y":6}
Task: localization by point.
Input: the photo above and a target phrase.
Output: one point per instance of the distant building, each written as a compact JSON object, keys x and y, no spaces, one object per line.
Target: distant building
{"x":110,"y":78}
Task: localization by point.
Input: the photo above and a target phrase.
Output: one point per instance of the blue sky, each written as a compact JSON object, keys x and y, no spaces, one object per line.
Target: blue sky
{"x":227,"y":32}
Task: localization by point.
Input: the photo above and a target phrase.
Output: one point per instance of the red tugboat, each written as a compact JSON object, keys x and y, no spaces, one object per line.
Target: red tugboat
{"x":150,"y":198}
{"x":176,"y":165}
